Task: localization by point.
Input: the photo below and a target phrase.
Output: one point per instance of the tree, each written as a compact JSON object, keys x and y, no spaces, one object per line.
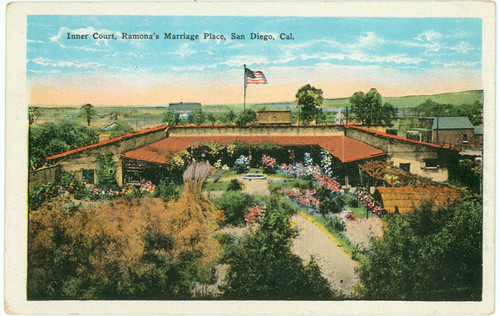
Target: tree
{"x":121,"y":128}
{"x":308,"y":97}
{"x":263,"y":266}
{"x":246,"y":117}
{"x":230,"y":116}
{"x":211,"y":118}
{"x":427,"y":255}
{"x":87,"y":111}
{"x":33,"y":114}
{"x":54,"y":137}
{"x":197,"y":118}
{"x":170,"y":118}
{"x":368,"y":108}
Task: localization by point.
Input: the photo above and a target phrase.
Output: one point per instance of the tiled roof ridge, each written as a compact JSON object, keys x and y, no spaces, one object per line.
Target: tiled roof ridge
{"x":108,"y":141}
{"x":396,"y":137}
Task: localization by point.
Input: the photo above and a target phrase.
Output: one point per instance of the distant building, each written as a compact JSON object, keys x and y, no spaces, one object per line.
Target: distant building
{"x":274,"y":117}
{"x":457,"y":132}
{"x":182,"y":107}
{"x":110,"y":126}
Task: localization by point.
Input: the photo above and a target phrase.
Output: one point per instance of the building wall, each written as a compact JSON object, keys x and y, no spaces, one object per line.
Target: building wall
{"x":86,"y":158}
{"x":403,"y":152}
{"x":274,"y":117}
{"x":330,"y":130}
{"x":43,"y":175}
{"x":184,"y":107}
{"x":453,"y":137}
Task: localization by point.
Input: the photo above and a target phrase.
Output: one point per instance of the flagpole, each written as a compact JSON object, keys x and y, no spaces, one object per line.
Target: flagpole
{"x":244,"y":86}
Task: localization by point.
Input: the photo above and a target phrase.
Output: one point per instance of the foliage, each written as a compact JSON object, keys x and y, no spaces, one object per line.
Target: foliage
{"x":121,"y":128}
{"x":211,"y":118}
{"x":368,"y":108}
{"x":168,"y":190}
{"x":117,"y":250}
{"x":468,"y":173}
{"x":87,"y":110}
{"x":246,"y":117}
{"x":234,"y":185}
{"x":170,"y":118}
{"x":234,"y":206}
{"x":474,"y":110}
{"x":230,"y":116}
{"x":197,"y":118}
{"x":302,"y":184}
{"x":55,"y":137}
{"x":33,"y":114}
{"x":350,"y":200}
{"x":106,"y":171}
{"x":331,"y":202}
{"x":308,"y":97}
{"x":263,"y":267}
{"x":428,"y":255}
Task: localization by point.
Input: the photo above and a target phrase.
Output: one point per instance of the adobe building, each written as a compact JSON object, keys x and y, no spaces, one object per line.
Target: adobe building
{"x":184,"y":107}
{"x":138,"y":155}
{"x":274,"y":117}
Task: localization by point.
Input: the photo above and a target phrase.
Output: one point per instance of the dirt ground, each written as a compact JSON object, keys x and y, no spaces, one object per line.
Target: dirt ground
{"x":361,"y":231}
{"x":335,"y":265}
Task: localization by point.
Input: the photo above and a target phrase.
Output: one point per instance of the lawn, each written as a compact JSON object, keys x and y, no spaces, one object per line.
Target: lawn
{"x":215,"y":186}
{"x":359,"y":212}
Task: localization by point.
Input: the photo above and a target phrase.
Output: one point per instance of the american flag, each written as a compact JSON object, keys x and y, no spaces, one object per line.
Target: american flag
{"x":255,"y":77}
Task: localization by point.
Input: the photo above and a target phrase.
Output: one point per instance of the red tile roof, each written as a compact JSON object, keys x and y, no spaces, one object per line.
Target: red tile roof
{"x":395,"y":137}
{"x":407,"y":198}
{"x":344,"y":148}
{"x":108,"y":141}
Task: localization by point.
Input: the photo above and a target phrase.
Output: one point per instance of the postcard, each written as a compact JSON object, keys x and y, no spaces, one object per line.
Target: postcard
{"x":250,"y":158}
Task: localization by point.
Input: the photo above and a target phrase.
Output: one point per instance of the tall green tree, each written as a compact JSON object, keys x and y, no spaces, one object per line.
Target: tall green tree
{"x":197,"y":118}
{"x":87,"y":110}
{"x":427,"y":255}
{"x":246,"y":117}
{"x":263,"y":267}
{"x":211,"y":118}
{"x":230,"y":116}
{"x":170,"y":118}
{"x":308,"y":97}
{"x":368,"y":108}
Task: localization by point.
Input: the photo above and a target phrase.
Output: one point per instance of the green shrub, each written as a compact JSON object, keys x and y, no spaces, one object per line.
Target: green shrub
{"x":331,"y":202}
{"x":106,"y":171}
{"x":168,"y":190}
{"x":350,"y":200}
{"x":234,"y":206}
{"x":234,"y":185}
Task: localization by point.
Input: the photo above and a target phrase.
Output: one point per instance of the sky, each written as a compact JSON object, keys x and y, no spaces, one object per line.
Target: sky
{"x":340,"y":55}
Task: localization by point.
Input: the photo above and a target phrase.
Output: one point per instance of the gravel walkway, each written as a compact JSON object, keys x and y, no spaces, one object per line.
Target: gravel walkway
{"x":336,"y":266}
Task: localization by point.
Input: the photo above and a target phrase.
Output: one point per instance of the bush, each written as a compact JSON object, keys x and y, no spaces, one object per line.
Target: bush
{"x":350,"y":200}
{"x":234,"y":185}
{"x":331,"y":202}
{"x":168,"y":190}
{"x":234,"y":205}
{"x":263,"y":267}
{"x":106,"y":171}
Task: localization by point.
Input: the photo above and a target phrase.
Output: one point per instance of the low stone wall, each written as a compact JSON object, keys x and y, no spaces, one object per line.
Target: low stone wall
{"x":43,"y":176}
{"x":252,"y":130}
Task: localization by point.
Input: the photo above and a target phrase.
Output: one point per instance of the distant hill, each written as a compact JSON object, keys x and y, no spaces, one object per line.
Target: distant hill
{"x":454,"y":98}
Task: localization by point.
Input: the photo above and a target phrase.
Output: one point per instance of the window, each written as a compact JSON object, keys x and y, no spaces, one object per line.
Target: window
{"x":431,"y":163}
{"x":88,"y":175}
{"x":404,"y":167}
{"x":464,"y":138}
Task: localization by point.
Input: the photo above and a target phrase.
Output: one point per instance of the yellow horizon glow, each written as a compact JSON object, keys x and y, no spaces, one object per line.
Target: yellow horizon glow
{"x":58,"y":95}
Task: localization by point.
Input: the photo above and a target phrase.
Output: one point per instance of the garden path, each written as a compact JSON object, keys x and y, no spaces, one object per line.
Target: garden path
{"x":336,"y":266}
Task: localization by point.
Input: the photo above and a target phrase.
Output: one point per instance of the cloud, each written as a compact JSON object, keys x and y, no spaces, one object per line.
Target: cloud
{"x":32,"y":41}
{"x":77,"y":64}
{"x":463,"y":47}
